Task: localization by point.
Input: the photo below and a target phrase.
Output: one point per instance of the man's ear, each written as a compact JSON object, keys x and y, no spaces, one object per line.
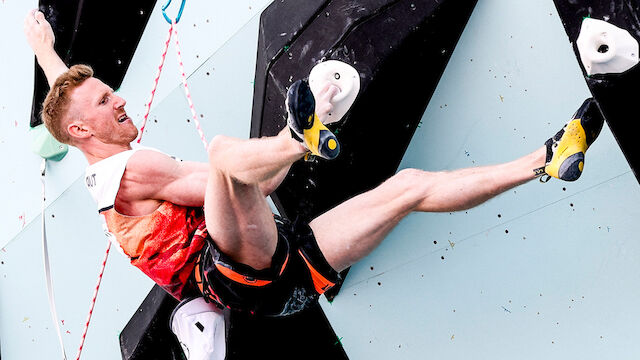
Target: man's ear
{"x":77,"y":130}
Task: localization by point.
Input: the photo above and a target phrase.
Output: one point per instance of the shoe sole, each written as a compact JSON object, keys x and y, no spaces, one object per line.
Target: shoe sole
{"x":304,"y":122}
{"x":568,"y":158}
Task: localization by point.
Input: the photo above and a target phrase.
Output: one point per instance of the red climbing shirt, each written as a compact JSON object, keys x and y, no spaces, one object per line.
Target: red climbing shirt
{"x":161,"y":244}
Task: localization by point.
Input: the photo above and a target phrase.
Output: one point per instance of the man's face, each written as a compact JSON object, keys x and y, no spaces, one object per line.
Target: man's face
{"x":102,"y":113}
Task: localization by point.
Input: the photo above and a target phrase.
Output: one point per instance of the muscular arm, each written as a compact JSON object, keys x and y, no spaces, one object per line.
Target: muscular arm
{"x":152,"y":177}
{"x":41,"y":39}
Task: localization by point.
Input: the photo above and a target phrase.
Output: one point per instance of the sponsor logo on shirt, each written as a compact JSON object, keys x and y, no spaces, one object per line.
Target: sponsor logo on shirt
{"x":91,"y":180}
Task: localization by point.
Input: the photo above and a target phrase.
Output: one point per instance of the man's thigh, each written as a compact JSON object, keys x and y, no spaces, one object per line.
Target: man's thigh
{"x":240,"y":220}
{"x":351,"y":230}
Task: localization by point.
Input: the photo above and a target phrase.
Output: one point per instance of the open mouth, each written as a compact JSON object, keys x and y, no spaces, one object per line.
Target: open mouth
{"x":123,"y":118}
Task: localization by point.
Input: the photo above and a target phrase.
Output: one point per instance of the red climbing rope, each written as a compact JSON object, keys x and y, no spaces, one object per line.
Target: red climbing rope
{"x":93,"y":300}
{"x":186,"y":90}
{"x":172,"y":30}
{"x":155,"y":84}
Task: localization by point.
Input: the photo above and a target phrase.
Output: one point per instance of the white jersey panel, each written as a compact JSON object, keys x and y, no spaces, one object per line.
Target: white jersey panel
{"x":102,"y":179}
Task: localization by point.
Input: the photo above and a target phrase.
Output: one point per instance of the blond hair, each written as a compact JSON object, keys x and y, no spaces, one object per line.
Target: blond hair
{"x":55,"y":109}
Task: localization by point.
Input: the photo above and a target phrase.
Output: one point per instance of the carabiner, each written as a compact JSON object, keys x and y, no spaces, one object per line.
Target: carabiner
{"x":179,"y":12}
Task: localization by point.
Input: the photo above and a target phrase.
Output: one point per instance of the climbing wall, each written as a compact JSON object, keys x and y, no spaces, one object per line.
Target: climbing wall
{"x":545,"y":271}
{"x":218,"y":43}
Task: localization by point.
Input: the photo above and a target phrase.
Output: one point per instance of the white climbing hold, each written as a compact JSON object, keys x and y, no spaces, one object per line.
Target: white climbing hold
{"x":605,"y":48}
{"x":342,"y":75}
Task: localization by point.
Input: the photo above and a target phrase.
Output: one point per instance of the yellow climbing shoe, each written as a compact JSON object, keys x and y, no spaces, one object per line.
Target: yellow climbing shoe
{"x":566,"y":150}
{"x":305,"y":125}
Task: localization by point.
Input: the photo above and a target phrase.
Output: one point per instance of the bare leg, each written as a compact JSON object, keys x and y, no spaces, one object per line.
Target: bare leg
{"x":354,"y":228}
{"x":241,"y":173}
{"x":237,"y":214}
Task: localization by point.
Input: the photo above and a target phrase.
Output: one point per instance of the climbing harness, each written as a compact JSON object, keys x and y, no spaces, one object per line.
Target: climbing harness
{"x":172,"y":31}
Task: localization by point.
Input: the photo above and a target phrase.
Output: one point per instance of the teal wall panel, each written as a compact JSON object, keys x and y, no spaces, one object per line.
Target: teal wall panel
{"x":76,"y":246}
{"x":544,"y":271}
{"x":560,"y":284}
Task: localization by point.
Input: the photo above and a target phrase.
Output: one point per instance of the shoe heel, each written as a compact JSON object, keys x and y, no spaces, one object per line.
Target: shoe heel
{"x":571,"y":167}
{"x":329,"y":147}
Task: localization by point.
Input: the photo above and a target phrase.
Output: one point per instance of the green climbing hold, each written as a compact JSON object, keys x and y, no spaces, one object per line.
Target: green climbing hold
{"x":45,"y":145}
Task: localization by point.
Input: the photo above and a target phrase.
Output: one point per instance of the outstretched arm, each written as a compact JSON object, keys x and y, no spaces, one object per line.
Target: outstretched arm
{"x":41,"y":39}
{"x":152,"y":177}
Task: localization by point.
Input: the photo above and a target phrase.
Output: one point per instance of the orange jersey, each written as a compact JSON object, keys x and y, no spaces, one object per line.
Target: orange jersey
{"x":161,"y":244}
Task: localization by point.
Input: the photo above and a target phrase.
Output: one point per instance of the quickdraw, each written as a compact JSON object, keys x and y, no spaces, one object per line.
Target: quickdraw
{"x":166,"y":17}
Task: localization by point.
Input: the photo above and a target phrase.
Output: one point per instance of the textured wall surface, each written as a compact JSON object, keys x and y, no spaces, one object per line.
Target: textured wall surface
{"x":544,"y":271}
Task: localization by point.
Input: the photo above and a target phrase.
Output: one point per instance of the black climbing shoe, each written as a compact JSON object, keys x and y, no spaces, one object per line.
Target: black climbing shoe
{"x":566,"y":150}
{"x":305,"y":125}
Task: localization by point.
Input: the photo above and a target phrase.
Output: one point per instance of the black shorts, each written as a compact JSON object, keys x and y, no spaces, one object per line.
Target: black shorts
{"x":298,"y":275}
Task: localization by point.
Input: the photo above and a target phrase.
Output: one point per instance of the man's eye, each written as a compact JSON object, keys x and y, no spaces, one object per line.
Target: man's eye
{"x":103,"y":101}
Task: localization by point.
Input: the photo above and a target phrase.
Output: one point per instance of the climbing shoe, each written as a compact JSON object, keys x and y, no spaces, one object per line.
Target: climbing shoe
{"x":566,"y":149}
{"x":305,"y":125}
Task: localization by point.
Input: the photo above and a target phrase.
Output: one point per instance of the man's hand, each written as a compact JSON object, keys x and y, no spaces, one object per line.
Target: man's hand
{"x":38,"y":32}
{"x":41,"y":39}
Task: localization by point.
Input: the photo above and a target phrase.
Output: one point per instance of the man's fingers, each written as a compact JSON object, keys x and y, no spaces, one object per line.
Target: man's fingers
{"x":30,"y":18}
{"x":38,"y":31}
{"x":333,"y":91}
{"x":329,"y":91}
{"x":39,"y":16}
{"x":325,"y":88}
{"x":328,"y":88}
{"x":325,"y":109}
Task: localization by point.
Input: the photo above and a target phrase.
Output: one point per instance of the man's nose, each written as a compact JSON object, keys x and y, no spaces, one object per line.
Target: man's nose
{"x":120,"y":102}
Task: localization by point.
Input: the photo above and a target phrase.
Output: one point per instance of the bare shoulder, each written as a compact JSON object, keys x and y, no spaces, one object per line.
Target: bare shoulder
{"x":152,"y":175}
{"x":147,"y":171}
{"x":150,"y":162}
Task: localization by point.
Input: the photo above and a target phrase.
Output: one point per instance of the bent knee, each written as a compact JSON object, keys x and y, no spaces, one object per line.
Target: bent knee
{"x":414,"y":183}
{"x":413,"y":178}
{"x":409,"y":174}
{"x":218,"y":144}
